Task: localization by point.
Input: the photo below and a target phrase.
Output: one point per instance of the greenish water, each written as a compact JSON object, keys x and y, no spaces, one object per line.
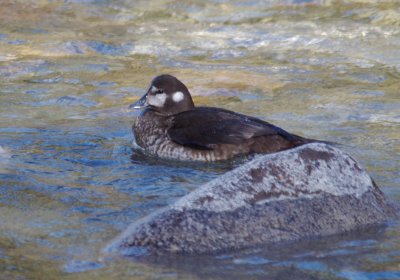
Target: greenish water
{"x":69,"y":180}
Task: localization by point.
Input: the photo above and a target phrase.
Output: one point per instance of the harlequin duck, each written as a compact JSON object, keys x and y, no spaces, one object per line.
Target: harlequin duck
{"x":170,"y":126}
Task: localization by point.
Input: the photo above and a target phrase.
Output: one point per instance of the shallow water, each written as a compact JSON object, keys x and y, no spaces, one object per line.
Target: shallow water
{"x":69,"y":180}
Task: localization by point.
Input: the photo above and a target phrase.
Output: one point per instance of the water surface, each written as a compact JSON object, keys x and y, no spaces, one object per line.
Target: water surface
{"x":70,"y":181}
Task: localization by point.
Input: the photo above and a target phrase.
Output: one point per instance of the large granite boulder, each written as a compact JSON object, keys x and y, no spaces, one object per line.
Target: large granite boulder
{"x":310,"y":191}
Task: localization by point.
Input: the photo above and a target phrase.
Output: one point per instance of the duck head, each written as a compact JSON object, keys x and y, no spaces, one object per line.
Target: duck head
{"x":166,"y":95}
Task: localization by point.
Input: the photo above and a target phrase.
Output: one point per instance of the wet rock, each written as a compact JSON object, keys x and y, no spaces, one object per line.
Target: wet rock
{"x":313,"y":190}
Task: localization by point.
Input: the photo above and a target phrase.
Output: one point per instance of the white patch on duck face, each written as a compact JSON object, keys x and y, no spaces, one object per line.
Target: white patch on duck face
{"x":153,"y":89}
{"x":157,"y":100}
{"x":178,"y":97}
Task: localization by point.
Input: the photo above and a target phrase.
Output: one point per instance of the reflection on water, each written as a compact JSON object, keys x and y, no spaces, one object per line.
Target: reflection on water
{"x":69,"y":180}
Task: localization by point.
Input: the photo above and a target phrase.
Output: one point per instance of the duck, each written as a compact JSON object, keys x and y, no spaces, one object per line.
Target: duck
{"x":170,"y":126}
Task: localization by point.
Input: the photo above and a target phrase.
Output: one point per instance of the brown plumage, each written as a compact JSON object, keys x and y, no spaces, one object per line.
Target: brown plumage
{"x":172,"y":127}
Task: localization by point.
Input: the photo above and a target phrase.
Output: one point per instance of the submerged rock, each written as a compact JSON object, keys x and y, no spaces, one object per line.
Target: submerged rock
{"x":310,"y":191}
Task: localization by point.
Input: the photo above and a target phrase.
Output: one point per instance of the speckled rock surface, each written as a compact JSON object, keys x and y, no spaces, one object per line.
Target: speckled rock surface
{"x":313,"y":190}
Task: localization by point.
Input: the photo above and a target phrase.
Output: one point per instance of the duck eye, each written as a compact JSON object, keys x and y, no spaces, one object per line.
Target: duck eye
{"x":158,"y":91}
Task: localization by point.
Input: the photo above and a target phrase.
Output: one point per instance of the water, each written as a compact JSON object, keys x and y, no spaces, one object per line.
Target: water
{"x":69,"y":180}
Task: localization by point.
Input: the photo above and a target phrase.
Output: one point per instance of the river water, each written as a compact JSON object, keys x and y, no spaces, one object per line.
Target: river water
{"x":69,"y":180}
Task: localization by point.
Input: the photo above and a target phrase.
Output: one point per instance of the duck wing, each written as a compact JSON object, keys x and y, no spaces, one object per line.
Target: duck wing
{"x":206,"y":127}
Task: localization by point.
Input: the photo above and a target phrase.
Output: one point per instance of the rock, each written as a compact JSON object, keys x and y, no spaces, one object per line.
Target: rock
{"x":310,"y":191}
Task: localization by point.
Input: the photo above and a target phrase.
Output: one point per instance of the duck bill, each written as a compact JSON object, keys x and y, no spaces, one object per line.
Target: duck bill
{"x":141,"y":103}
